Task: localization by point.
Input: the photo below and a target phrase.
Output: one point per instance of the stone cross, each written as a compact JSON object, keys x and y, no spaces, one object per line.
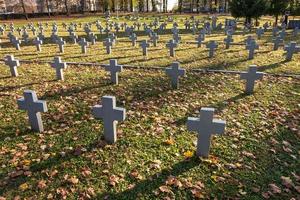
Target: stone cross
{"x":38,"y":43}
{"x":277,"y":41}
{"x":282,"y":34}
{"x":34,"y":107}
{"x":92,"y":38}
{"x":200,"y":39}
{"x":259,"y":32}
{"x":13,"y":64}
{"x":110,"y":115}
{"x":83,"y":43}
{"x":133,"y":39}
{"x":59,"y":66}
{"x":212,"y":45}
{"x":290,"y":50}
{"x":114,"y":70}
{"x":171,"y":45}
{"x":16,"y":42}
{"x":251,"y":47}
{"x":74,"y":38}
{"x":205,"y":126}
{"x":251,"y":76}
{"x":174,"y":72}
{"x":176,"y":38}
{"x":61,"y":44}
{"x":108,"y":44}
{"x":154,"y":38}
{"x":228,"y":41}
{"x":144,"y":46}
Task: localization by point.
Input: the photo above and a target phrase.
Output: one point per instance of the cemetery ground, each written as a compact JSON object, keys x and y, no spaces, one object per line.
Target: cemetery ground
{"x":153,"y":158}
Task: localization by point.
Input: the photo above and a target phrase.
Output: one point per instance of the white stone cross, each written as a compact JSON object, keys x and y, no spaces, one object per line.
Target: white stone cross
{"x":290,"y":50}
{"x":212,"y":45}
{"x":34,"y":107}
{"x":205,"y":126}
{"x":174,"y":72}
{"x":108,"y":44}
{"x":251,"y":76}
{"x":38,"y":43}
{"x":59,"y":66}
{"x":13,"y":64}
{"x":114,"y":70}
{"x":83,"y":43}
{"x":144,"y":44}
{"x":110,"y":115}
{"x":172,"y":45}
{"x":16,"y":42}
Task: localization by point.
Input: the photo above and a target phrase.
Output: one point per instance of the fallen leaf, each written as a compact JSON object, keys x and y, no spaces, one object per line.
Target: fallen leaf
{"x":287,"y":181}
{"x":188,"y":154}
{"x":275,"y":189}
{"x":42,"y":184}
{"x":24,"y":186}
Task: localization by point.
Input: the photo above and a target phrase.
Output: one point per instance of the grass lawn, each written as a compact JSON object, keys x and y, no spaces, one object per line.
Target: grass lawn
{"x":153,"y":158}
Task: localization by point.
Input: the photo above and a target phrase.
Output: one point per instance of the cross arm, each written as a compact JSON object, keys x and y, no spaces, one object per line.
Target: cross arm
{"x":97,"y":111}
{"x":193,"y":124}
{"x":218,"y":126}
{"x":120,"y":114}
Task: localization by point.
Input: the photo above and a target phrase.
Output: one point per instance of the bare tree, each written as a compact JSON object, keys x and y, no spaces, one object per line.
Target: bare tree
{"x":24,"y":9}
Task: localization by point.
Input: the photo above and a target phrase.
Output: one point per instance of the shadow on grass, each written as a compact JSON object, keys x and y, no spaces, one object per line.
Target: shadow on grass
{"x":10,"y":88}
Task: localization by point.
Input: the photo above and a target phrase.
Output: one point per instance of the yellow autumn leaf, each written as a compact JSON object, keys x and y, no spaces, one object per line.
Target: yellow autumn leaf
{"x":23,"y":186}
{"x":26,"y":162}
{"x":188,"y":154}
{"x":170,"y":141}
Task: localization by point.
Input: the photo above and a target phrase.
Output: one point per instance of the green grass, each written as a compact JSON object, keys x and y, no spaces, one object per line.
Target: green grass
{"x":260,"y":145}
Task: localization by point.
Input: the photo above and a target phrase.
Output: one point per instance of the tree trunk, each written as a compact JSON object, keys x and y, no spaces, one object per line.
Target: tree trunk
{"x":153,"y":6}
{"x":82,"y":5}
{"x":24,"y":9}
{"x":166,"y":6}
{"x":147,"y":5}
{"x":67,"y":8}
{"x":180,"y":6}
{"x":131,"y":5}
{"x":276,"y":20}
{"x":48,"y":8}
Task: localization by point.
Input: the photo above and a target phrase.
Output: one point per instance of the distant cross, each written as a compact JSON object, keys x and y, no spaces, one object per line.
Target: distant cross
{"x":174,"y":72}
{"x":282,"y":34}
{"x":144,"y":46}
{"x":114,"y":70}
{"x":34,"y":107}
{"x":275,"y":31}
{"x":133,"y":39}
{"x":176,"y":38}
{"x":110,"y":115}
{"x":296,"y":31}
{"x":113,"y":38}
{"x":290,"y":50}
{"x":252,"y":47}
{"x":59,"y":66}
{"x":199,"y":40}
{"x":74,"y":38}
{"x":228,"y":41}
{"x":248,"y":40}
{"x":92,"y":38}
{"x":61,"y":44}
{"x":277,"y":41}
{"x":212,"y":45}
{"x":13,"y":64}
{"x":259,"y":32}
{"x":83,"y":43}
{"x":251,"y":76}
{"x":171,"y":45}
{"x":16,"y":42}
{"x":108,"y":44}
{"x":205,"y":126}
{"x":154,"y":38}
{"x":38,"y":43}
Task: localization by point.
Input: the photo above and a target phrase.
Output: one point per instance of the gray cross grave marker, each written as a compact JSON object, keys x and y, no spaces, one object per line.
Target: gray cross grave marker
{"x":277,"y":41}
{"x":251,"y":76}
{"x":83,"y":43}
{"x":13,"y":64}
{"x":38,"y":43}
{"x":251,"y":47}
{"x":205,"y":126}
{"x":228,"y":41}
{"x":114,"y":70}
{"x":34,"y":107}
{"x":144,"y":46}
{"x":110,"y":115}
{"x":108,"y":44}
{"x":200,"y":39}
{"x":58,"y":65}
{"x":154,"y":38}
{"x":212,"y":45}
{"x":171,"y":45}
{"x":61,"y":44}
{"x":16,"y":42}
{"x":133,"y":39}
{"x":174,"y":72}
{"x":290,"y":50}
